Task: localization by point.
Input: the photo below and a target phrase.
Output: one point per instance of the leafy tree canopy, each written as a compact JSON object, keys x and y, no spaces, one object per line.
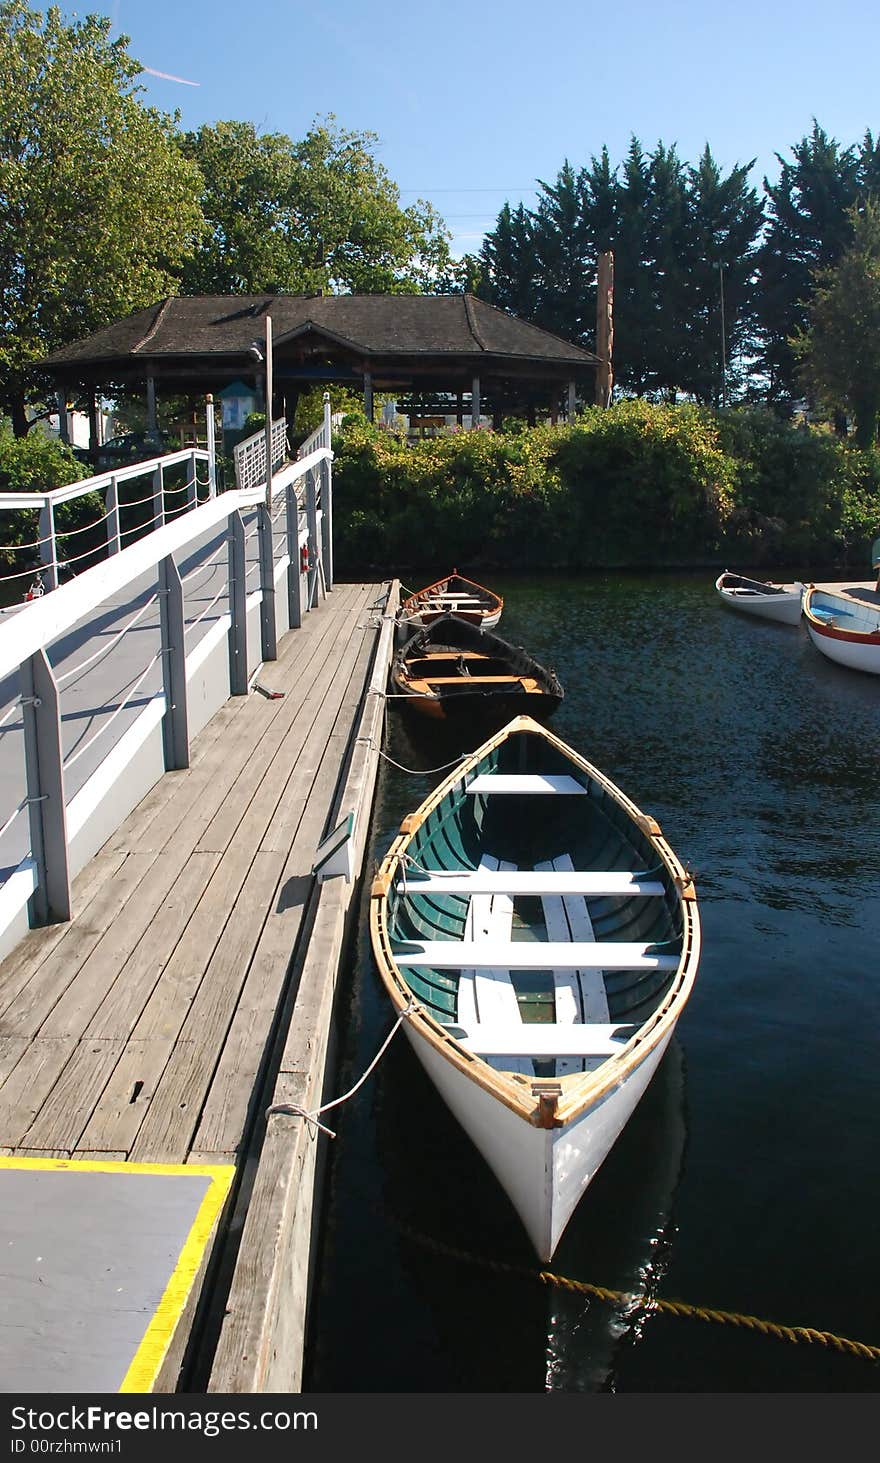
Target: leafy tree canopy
{"x":98,"y":207}
{"x":839,"y":350}
{"x":316,"y":214}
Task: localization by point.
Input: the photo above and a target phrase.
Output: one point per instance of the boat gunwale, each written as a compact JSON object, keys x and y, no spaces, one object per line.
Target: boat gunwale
{"x":580,"y":1091}
{"x":494,"y":601}
{"x":834,"y":632}
{"x":762,"y":587}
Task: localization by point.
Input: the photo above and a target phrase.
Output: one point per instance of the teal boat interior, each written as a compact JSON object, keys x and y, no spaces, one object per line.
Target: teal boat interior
{"x":527,"y":850}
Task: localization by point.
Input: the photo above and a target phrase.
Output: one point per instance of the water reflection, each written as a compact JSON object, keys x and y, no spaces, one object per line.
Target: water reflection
{"x":758,"y":757}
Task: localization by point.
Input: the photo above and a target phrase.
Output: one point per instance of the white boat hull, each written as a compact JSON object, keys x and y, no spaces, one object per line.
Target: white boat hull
{"x":784,"y":609}
{"x":857,"y":656}
{"x":543,"y":1171}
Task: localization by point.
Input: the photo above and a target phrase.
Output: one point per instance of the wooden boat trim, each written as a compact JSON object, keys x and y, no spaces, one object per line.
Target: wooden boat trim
{"x":486,"y":599}
{"x":829,"y":629}
{"x":528,"y":1096}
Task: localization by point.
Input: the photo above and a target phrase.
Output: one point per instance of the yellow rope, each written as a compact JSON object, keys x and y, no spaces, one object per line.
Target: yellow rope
{"x":798,"y":1335}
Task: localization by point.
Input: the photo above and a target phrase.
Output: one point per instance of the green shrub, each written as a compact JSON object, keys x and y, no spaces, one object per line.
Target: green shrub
{"x":641,"y":484}
{"x":36,"y":464}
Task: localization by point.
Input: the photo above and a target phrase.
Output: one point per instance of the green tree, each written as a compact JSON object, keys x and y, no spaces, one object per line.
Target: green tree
{"x":808,"y":229}
{"x":97,"y":205}
{"x":839,"y":350}
{"x":565,"y":257}
{"x":509,"y":263}
{"x":318,"y":214}
{"x":724,"y":217}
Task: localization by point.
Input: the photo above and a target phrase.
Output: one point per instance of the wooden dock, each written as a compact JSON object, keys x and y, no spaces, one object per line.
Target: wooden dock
{"x":152,"y":1028}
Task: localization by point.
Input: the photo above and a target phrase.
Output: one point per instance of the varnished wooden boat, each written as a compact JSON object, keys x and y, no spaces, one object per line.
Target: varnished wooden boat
{"x":845,"y":629}
{"x":761,"y":597}
{"x":451,"y":668}
{"x":453,"y":595}
{"x":541,"y":939}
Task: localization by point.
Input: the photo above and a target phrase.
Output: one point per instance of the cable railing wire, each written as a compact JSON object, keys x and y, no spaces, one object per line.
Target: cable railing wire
{"x":206,"y":611}
{"x":105,"y":649}
{"x":75,"y":756}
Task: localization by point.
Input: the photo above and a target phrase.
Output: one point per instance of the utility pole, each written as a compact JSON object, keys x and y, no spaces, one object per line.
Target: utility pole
{"x":723,"y":342}
{"x":269,"y":392}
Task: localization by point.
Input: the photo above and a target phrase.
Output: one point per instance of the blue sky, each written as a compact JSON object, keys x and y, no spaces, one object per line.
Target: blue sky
{"x":473,"y":102}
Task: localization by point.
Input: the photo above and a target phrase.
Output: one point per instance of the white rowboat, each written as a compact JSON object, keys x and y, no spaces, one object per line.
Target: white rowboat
{"x":844,"y":629}
{"x":540,"y":947}
{"x":763,"y":599}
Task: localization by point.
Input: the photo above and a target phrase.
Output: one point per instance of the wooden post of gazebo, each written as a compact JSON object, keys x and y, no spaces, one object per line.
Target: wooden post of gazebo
{"x":605,"y":328}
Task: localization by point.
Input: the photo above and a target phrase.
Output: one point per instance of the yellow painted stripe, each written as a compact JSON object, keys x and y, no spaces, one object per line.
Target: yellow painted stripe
{"x":147,"y":1361}
{"x":150,"y":1355}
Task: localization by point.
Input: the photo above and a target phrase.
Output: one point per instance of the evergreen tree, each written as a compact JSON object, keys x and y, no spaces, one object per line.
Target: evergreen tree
{"x":808,"y":229}
{"x":508,"y":263}
{"x":633,"y":293}
{"x":565,"y":257}
{"x":722,"y":230}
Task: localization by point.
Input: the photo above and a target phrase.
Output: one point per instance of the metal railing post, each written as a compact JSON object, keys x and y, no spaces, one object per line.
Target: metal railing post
{"x":44,"y":776}
{"x":327,"y":522}
{"x":268,"y":631}
{"x":158,"y":498}
{"x":175,"y":722}
{"x":192,"y":496}
{"x":212,"y":446}
{"x":238,"y":666}
{"x":314,"y":548}
{"x":48,"y":545}
{"x":111,"y":504}
{"x":294,"y":576}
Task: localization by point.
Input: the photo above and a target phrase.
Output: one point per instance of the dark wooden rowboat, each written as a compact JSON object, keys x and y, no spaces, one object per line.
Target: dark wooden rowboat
{"x":452,"y":668}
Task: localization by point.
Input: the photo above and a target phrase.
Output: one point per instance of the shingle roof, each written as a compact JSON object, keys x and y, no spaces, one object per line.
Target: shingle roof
{"x":373,"y":325}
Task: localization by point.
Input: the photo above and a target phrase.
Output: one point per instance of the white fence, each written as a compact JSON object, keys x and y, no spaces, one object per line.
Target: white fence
{"x":104,"y":681}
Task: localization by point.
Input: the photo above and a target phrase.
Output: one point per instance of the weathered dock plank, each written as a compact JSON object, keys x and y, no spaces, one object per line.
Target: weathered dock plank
{"x":143,"y":1031}
{"x":261,"y":1338}
{"x":68,"y":1107}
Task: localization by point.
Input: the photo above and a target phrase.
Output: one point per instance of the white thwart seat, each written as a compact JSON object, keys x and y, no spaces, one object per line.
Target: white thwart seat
{"x":580,"y":994}
{"x":546,"y":1039}
{"x":531,"y":955}
{"x":546,"y":879}
{"x":486,"y":995}
{"x":527,"y":782}
{"x":447,"y":595}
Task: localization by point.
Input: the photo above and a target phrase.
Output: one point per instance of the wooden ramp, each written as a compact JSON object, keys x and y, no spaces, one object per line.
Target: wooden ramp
{"x":142,"y":1031}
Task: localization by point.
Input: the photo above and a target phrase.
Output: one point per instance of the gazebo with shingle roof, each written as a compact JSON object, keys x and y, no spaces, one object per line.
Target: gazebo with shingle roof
{"x":426,"y":347}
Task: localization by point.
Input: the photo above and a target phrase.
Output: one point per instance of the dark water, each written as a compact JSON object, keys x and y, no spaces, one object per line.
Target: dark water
{"x":748,"y":1180}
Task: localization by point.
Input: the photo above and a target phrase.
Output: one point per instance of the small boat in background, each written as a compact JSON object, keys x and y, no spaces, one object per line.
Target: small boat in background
{"x":541,"y":939}
{"x":453,"y":668}
{"x":875,"y":561}
{"x":453,"y":595}
{"x":760,"y":597}
{"x":846,"y":630}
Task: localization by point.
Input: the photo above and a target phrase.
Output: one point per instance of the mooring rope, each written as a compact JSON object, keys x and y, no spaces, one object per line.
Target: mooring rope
{"x":797,"y":1335}
{"x":413,"y":771}
{"x":294,"y":1110}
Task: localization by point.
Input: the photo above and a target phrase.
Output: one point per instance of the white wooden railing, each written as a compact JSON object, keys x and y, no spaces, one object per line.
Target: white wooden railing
{"x":186,"y":615}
